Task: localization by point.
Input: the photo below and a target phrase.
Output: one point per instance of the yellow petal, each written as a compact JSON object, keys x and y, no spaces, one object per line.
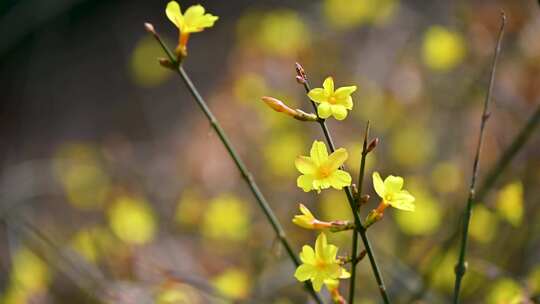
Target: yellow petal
{"x":318,"y":153}
{"x":317,"y":95}
{"x":174,"y":13}
{"x":320,"y":184}
{"x":320,"y":245}
{"x":324,"y":110}
{"x":193,"y":13}
{"x":305,"y":211}
{"x":346,"y":102}
{"x":340,"y":179}
{"x":317,"y":283}
{"x":344,"y":92}
{"x":303,"y":221}
{"x":403,"y":200}
{"x":328,"y":86}
{"x":307,"y":255}
{"x":336,"y":159}
{"x":305,"y":165}
{"x":344,"y":274}
{"x":304,"y":272}
{"x":378,"y":184}
{"x":392,"y":184}
{"x":305,"y":182}
{"x":339,"y":112}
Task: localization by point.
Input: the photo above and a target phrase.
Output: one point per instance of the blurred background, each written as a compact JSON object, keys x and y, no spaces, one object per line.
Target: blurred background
{"x":113,"y":187}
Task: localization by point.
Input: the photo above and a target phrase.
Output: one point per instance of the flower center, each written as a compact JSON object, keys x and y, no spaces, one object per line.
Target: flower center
{"x":388,"y":198}
{"x":332,"y":100}
{"x":320,"y":264}
{"x":324,"y":172}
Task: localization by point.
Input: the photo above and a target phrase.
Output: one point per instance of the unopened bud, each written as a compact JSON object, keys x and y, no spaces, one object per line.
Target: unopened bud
{"x":300,"y":71}
{"x":373,"y":217}
{"x":364,"y":199}
{"x":279,"y":106}
{"x":354,"y":190}
{"x":166,"y":63}
{"x":149,"y":28}
{"x":372,"y":144}
{"x":300,"y":80}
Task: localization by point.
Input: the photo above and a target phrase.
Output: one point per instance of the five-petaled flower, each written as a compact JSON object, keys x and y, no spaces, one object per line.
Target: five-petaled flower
{"x":332,"y":102}
{"x":320,"y":170}
{"x":192,"y":21}
{"x":391,"y":193}
{"x":321,"y":264}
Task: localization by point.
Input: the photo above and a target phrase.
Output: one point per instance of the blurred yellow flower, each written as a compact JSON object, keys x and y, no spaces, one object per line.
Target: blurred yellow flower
{"x":280,"y":150}
{"x":390,"y":191}
{"x":412,"y":145}
{"x":234,"y":283}
{"x":29,"y":273}
{"x":505,"y":291}
{"x":345,"y":14}
{"x":132,"y":220}
{"x":332,"y":102}
{"x":443,"y":49}
{"x":177,"y":293}
{"x":533,"y":279}
{"x":226,"y":218}
{"x":483,"y":227}
{"x":146,"y":73}
{"x":92,"y":243}
{"x":282,"y":32}
{"x":81,"y":173}
{"x":509,"y":204}
{"x":320,"y":264}
{"x":320,"y":170}
{"x":192,"y":21}
{"x":446,"y":177}
{"x":426,"y":218}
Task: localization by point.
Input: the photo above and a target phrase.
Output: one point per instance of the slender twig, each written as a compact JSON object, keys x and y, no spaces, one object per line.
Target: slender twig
{"x":246,"y":175}
{"x":352,"y":202}
{"x":355,"y":211}
{"x":493,"y":174}
{"x":461,"y":265}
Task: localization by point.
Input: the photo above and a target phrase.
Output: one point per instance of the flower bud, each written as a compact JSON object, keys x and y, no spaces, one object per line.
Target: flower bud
{"x":149,"y":28}
{"x":373,"y":217}
{"x":372,"y":144}
{"x":166,"y":63}
{"x":279,"y":106}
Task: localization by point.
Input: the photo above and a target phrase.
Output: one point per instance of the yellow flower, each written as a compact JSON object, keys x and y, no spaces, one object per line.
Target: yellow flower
{"x":321,"y":264}
{"x":320,"y":170}
{"x":332,"y":102}
{"x":443,"y":49}
{"x":391,"y":193}
{"x":192,"y":21}
{"x":308,"y":221}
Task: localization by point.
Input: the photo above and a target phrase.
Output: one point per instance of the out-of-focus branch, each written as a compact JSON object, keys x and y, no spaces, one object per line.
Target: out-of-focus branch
{"x":461,"y":265}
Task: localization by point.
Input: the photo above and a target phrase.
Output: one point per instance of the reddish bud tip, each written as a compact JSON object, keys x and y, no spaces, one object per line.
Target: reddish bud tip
{"x":149,"y":28}
{"x":372,"y":144}
{"x":300,"y":70}
{"x":300,"y":80}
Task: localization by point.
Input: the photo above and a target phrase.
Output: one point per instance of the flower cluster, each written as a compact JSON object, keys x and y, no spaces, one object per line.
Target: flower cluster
{"x":319,"y":171}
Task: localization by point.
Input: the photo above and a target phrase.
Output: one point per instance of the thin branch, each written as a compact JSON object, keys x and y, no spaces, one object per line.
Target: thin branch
{"x":246,"y":175}
{"x":461,"y":265}
{"x":352,"y":284}
{"x":352,"y":202}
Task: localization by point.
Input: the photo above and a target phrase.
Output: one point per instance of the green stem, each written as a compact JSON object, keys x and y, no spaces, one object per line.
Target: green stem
{"x":246,"y":175}
{"x":461,"y":264}
{"x":352,"y":203}
{"x":359,"y":194}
